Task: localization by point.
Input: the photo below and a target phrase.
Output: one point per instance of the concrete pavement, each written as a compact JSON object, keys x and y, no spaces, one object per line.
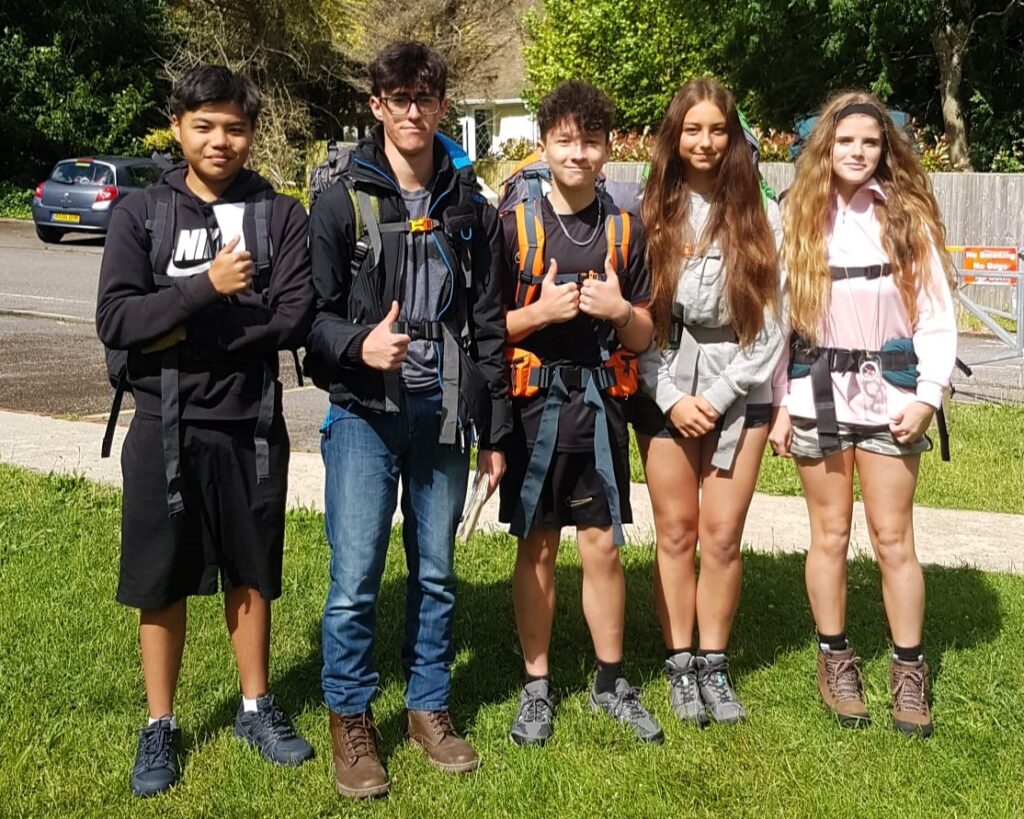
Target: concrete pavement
{"x":986,"y":540}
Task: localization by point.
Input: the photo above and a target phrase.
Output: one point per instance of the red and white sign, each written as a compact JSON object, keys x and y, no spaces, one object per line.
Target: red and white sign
{"x":991,"y":259}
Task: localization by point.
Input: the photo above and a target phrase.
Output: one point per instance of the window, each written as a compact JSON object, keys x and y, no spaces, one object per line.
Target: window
{"x":483,"y":120}
{"x":141,"y":176}
{"x":83,"y":173}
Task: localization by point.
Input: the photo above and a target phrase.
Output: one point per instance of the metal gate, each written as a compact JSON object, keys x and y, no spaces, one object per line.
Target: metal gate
{"x":988,"y":267}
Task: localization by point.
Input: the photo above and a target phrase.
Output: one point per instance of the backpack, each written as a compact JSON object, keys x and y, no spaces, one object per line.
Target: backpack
{"x":328,"y":172}
{"x":804,"y":126}
{"x":161,"y":208}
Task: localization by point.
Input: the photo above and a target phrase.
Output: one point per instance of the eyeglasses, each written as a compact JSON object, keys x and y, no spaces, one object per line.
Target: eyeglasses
{"x":399,"y":104}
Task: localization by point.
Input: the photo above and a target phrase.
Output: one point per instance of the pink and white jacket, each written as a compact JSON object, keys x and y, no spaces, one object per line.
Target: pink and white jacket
{"x":867,"y":313}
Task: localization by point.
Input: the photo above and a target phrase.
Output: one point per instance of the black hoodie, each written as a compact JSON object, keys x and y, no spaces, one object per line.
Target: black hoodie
{"x":230,"y":340}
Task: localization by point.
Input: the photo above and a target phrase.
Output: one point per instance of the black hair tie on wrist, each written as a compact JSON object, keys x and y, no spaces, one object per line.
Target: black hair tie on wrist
{"x":860,"y":108}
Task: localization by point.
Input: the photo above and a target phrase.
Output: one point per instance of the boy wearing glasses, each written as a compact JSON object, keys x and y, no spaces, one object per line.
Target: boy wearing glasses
{"x":408,"y":340}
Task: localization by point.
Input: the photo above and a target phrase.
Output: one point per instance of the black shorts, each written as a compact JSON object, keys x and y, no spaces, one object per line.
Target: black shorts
{"x":232,"y":527}
{"x":648,"y":419}
{"x":573,"y":494}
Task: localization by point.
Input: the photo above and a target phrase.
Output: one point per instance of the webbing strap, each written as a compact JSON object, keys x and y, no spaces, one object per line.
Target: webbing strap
{"x":262,"y":258}
{"x":157,"y":226}
{"x":263,"y":423}
{"x":370,"y":222}
{"x":874,"y":271}
{"x":449,"y":388}
{"x":824,"y":405}
{"x":603,"y":459}
{"x":534,"y":185}
{"x":419,"y":330}
{"x":115,"y":411}
{"x":940,"y":422}
{"x":540,"y":459}
{"x":169,"y":422}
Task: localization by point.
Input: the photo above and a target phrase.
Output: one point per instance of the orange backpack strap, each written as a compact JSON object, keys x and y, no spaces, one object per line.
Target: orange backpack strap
{"x":530,"y":238}
{"x":618,"y":228}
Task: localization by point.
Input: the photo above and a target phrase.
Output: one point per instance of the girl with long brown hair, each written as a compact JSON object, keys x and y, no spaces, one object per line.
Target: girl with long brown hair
{"x":873,"y":346}
{"x":703,"y":422}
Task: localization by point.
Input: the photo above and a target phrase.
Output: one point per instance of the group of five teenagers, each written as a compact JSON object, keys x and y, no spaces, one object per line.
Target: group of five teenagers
{"x":408,"y":340}
{"x":702,"y":418}
{"x":205,"y":461}
{"x":873,"y":347}
{"x":568,"y":454}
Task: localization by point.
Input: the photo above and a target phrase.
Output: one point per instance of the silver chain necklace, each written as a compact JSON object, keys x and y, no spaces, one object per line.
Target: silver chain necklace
{"x":597,"y":227}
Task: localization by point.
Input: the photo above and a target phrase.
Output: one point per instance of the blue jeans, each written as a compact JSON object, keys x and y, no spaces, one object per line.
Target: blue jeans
{"x":365,"y":454}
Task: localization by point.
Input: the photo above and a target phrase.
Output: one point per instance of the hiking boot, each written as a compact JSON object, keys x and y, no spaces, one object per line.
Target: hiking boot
{"x":908,"y":683}
{"x":623,"y":705}
{"x":683,"y":691}
{"x":841,"y":689}
{"x":532,"y":725}
{"x":358,"y":773}
{"x":434,"y":732}
{"x":156,"y":760}
{"x":269,"y":729}
{"x":715,"y":689}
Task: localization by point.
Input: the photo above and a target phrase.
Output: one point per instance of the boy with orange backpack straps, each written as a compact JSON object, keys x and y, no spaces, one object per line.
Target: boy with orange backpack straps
{"x":576,"y":294}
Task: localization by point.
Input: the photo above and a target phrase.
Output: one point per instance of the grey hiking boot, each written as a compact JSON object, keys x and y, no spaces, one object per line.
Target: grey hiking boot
{"x":623,"y":705}
{"x":156,"y":760}
{"x":269,"y":729}
{"x":716,"y":690}
{"x":532,"y":725}
{"x":683,"y":691}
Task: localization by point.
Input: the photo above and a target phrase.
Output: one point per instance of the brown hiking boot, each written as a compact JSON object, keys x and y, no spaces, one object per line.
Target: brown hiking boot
{"x":434,"y":732}
{"x":908,"y":683}
{"x":358,"y":773}
{"x":840,"y":687}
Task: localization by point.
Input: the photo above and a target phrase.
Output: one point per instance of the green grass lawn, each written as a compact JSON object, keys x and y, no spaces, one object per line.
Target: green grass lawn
{"x":986,"y":470}
{"x":71,"y":696}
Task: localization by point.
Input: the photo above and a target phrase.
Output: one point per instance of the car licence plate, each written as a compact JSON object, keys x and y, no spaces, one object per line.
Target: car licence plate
{"x":72,"y":218}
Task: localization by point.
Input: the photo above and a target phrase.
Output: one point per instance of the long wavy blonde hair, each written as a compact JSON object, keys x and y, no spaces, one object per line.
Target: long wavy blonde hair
{"x":911,"y":224}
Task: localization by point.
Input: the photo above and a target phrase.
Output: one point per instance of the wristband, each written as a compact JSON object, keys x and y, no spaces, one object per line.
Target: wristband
{"x":629,"y":318}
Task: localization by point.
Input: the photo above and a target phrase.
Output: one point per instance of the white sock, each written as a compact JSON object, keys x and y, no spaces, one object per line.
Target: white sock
{"x":174,"y":723}
{"x":249,"y":705}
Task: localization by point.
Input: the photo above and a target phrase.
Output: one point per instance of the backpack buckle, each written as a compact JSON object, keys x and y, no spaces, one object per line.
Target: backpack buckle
{"x":422,"y":225}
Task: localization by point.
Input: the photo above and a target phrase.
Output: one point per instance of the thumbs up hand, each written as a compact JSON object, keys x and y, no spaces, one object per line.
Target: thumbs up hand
{"x":603,"y":299}
{"x":382,"y":349}
{"x":231,"y":272}
{"x":557,"y":302}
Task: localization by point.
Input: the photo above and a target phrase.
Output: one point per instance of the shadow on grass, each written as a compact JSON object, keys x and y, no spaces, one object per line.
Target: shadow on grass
{"x":774,"y":618}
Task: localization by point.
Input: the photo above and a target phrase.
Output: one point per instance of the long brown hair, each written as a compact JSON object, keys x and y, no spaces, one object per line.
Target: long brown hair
{"x":737,"y":219}
{"x":911,"y":225}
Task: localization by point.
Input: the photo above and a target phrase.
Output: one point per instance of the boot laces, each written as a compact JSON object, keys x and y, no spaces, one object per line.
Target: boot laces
{"x":627,"y":704}
{"x":909,"y":690}
{"x":536,"y":708}
{"x":685,"y":682}
{"x":844,"y":678}
{"x":441,"y":722}
{"x":276,"y":721}
{"x":157,"y":745}
{"x":359,"y":734}
{"x":716,"y":677}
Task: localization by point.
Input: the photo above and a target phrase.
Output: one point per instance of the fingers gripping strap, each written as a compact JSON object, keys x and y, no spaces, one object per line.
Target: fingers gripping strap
{"x":540,"y":459}
{"x":263,"y":423}
{"x":171,"y":429}
{"x":824,"y":405}
{"x":603,"y":459}
{"x":449,"y":388}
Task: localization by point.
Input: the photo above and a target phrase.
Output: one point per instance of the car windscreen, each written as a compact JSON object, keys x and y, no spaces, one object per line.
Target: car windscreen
{"x":83,"y":172}
{"x":141,"y":176}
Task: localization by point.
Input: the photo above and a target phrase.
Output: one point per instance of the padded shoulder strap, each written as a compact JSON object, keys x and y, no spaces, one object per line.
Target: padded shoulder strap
{"x":530,"y":239}
{"x":618,"y":228}
{"x":161,"y":204}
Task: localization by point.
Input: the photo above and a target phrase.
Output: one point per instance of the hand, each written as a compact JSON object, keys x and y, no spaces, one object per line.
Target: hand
{"x":705,"y":406}
{"x":231,"y":272}
{"x":382,"y":349}
{"x":780,"y":433}
{"x":491,"y":462}
{"x":558,"y":302}
{"x":909,"y":426}
{"x":167,"y":340}
{"x":603,"y":299}
{"x":687,"y":416}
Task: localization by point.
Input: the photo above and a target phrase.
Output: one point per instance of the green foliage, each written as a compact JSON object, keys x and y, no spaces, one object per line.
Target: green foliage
{"x":302,"y":194}
{"x":515,"y":150}
{"x":638,"y":51}
{"x":159,"y":139}
{"x":71,"y":693}
{"x":15,"y":201}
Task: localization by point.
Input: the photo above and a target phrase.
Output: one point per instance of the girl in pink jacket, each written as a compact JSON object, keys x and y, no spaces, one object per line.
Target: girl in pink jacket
{"x":872,"y":349}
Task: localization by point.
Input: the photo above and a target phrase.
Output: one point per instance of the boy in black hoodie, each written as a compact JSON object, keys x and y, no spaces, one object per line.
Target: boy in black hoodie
{"x":205,"y":276}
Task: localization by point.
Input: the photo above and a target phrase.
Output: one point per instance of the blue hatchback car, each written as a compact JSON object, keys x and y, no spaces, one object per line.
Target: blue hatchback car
{"x":81,"y":193}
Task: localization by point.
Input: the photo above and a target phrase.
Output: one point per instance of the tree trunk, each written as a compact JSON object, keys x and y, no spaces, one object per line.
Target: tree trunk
{"x":950,"y":43}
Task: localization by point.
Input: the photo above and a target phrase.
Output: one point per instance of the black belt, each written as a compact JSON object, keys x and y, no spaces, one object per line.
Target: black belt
{"x":874,"y":271}
{"x":573,"y":377}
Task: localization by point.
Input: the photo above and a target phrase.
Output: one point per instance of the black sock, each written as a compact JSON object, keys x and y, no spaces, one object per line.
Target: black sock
{"x":907,"y":655}
{"x":671,"y":652}
{"x":531,"y":678}
{"x":607,"y":674}
{"x":833,"y":642}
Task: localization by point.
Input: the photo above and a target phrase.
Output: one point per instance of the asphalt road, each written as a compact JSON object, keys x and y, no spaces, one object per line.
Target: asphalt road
{"x":52,"y":363}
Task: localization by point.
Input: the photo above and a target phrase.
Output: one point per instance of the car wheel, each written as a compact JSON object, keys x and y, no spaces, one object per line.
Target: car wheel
{"x":48,"y":234}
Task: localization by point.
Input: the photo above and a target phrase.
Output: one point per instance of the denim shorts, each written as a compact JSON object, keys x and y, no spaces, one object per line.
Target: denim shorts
{"x":871,"y":439}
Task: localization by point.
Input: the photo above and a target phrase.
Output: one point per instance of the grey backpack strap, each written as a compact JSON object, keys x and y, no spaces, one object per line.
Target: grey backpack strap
{"x":161,"y":236}
{"x":371,"y":223}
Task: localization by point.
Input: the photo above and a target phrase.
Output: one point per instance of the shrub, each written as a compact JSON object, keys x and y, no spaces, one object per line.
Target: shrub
{"x":15,"y":202}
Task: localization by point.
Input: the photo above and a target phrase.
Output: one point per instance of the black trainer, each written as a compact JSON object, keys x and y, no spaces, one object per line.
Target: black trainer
{"x":269,"y":729}
{"x":156,"y":760}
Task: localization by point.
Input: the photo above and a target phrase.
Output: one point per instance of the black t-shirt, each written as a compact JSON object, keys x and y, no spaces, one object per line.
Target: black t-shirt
{"x":577,"y":342}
